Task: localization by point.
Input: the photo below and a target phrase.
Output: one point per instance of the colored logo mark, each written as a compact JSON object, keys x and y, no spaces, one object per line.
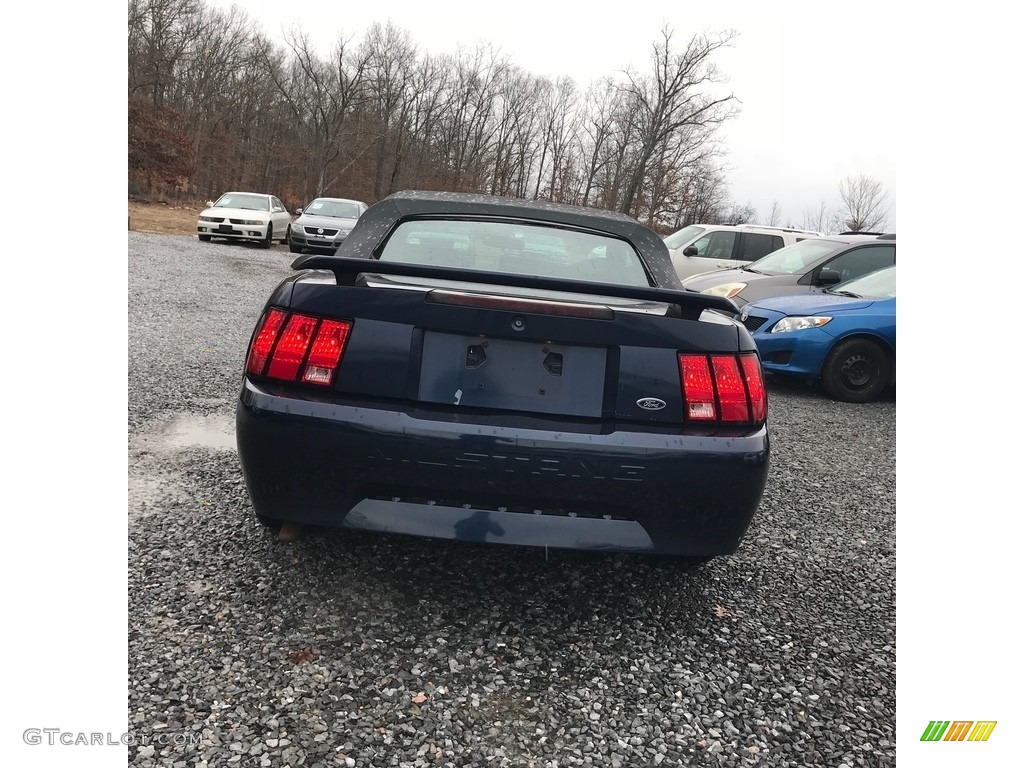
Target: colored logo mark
{"x":958,"y":730}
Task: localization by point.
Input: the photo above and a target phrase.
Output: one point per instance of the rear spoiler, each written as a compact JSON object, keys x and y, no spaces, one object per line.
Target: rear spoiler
{"x":346,"y":268}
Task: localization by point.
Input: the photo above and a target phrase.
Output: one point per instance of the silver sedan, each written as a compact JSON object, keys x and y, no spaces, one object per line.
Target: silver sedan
{"x":324,"y":224}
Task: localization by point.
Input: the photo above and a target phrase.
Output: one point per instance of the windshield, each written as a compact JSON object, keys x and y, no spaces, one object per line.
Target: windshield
{"x":517,"y":248}
{"x":794,"y":259}
{"x":880,"y":284}
{"x":248,"y":202}
{"x":338,"y":209}
{"x":682,"y":237}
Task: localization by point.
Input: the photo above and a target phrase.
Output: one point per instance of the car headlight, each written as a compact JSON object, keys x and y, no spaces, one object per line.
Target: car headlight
{"x":251,"y":222}
{"x":207,"y":218}
{"x":788,"y":324}
{"x":728,"y":290}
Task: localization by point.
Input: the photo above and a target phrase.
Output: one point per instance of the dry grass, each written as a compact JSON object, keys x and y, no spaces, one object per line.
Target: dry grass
{"x":161,"y":218}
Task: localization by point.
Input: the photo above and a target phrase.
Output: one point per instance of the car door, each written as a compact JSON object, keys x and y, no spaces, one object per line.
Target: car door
{"x":714,"y":251}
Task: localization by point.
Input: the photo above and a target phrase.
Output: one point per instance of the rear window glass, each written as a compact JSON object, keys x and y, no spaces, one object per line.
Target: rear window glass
{"x":517,"y":248}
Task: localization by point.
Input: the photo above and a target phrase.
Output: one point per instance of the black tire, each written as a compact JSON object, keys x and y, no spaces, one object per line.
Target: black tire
{"x":292,"y":246}
{"x":205,"y":238}
{"x":856,"y":371}
{"x":269,"y":239}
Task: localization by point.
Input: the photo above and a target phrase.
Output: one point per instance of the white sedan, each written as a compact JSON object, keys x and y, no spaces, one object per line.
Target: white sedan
{"x":245,"y":216}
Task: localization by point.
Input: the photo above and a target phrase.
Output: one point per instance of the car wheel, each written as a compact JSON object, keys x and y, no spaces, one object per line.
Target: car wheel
{"x":269,"y":239}
{"x":856,"y":371}
{"x":205,"y":238}
{"x":292,"y":246}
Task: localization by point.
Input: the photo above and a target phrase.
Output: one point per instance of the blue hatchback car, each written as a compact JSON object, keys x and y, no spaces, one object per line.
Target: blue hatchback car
{"x":845,"y":336}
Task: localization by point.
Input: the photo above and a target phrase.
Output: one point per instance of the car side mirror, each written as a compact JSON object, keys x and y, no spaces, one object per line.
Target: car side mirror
{"x":829,"y":277}
{"x":298,"y":211}
{"x":209,"y":203}
{"x":690,"y":250}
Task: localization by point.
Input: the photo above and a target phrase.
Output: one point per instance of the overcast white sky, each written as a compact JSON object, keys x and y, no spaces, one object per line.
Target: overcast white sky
{"x":816,"y":87}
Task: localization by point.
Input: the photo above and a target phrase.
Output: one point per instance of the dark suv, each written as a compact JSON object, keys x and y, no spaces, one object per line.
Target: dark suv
{"x":810,"y":265}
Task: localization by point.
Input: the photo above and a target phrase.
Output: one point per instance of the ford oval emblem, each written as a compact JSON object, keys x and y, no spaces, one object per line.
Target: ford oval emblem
{"x":651,"y":403}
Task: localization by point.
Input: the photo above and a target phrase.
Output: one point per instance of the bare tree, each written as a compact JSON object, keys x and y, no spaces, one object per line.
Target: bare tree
{"x":214,"y":105}
{"x":390,"y":56}
{"x":822,"y":220}
{"x":322,"y":95}
{"x":739,"y":214}
{"x":863,"y":203}
{"x":514,"y":139}
{"x":775,"y":215}
{"x":596,"y":133}
{"x":428,"y":88}
{"x":704,"y":196}
{"x":673,"y":98}
{"x":560,"y":126}
{"x":159,"y":32}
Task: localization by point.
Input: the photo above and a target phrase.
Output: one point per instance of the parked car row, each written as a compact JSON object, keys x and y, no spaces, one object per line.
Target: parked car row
{"x":704,"y":247}
{"x":321,"y":226}
{"x":823,"y":309}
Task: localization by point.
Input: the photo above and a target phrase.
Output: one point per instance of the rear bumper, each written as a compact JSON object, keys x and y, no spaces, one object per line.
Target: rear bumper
{"x":498,"y":478}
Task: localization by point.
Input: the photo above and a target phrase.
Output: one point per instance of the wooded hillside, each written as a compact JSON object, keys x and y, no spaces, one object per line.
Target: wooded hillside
{"x":214,"y":105}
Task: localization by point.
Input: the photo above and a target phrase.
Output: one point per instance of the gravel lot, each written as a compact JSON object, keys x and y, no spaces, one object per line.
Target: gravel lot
{"x":364,"y":650}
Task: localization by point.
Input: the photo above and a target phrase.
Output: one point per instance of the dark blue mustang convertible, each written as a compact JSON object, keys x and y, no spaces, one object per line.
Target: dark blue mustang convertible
{"x":494,"y":369}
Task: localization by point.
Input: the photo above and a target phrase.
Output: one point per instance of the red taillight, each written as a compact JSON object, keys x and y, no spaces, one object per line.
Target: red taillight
{"x":291,"y":348}
{"x":732,"y":395}
{"x":755,"y":386}
{"x":723,"y":389}
{"x":263,"y":341}
{"x":326,"y":352}
{"x":698,"y":391}
{"x":299,"y":347}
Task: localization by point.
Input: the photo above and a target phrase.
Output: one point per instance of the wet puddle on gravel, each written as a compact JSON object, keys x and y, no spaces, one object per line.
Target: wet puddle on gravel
{"x":194,"y":431}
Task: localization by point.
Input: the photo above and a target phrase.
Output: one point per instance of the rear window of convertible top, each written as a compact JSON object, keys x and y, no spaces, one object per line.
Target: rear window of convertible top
{"x":517,"y":248}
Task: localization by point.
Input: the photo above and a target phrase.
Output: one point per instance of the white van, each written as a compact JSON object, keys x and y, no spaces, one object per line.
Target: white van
{"x":706,"y":247}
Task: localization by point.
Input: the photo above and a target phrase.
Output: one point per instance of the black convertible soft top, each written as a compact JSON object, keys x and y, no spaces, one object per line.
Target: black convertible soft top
{"x":375,"y":224}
